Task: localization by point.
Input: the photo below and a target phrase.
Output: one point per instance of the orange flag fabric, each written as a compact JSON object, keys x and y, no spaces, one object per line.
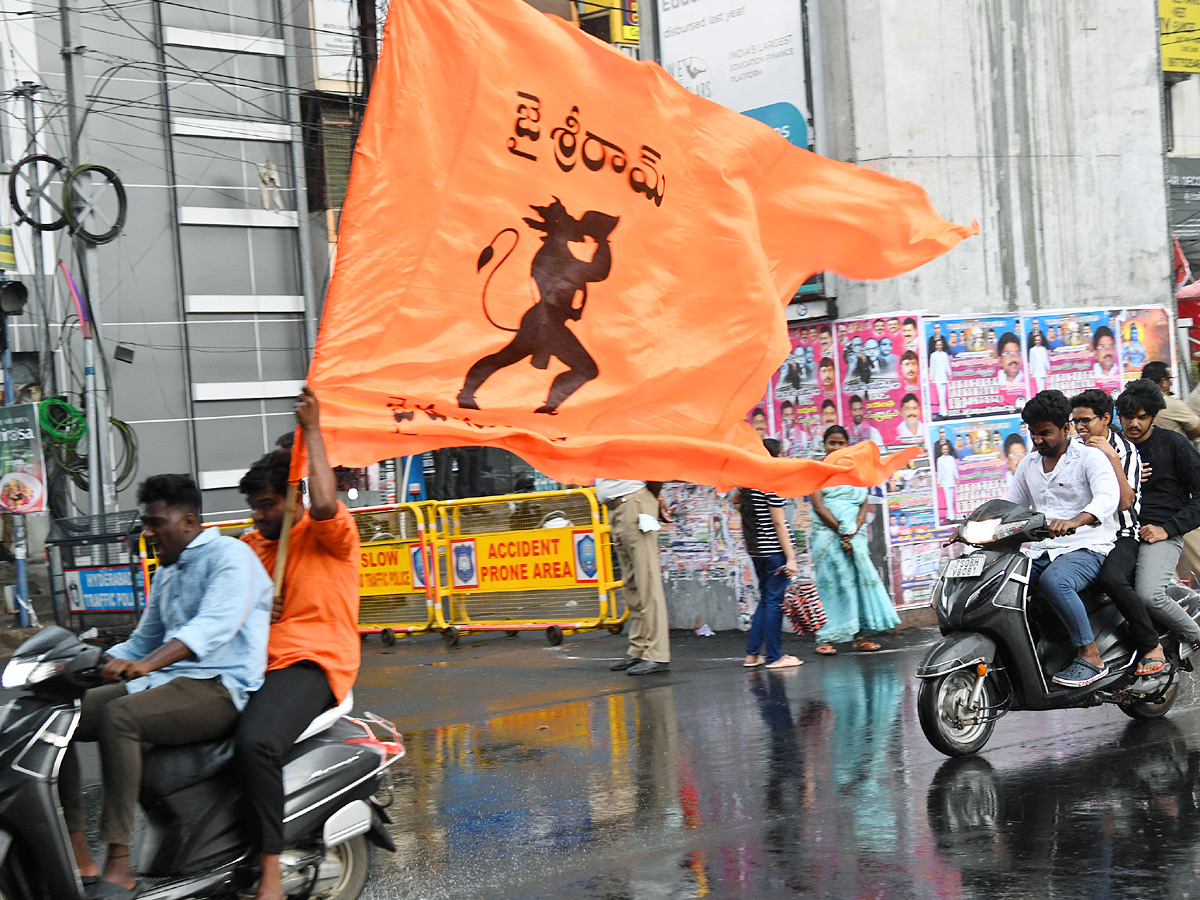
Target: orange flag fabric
{"x":550,"y":247}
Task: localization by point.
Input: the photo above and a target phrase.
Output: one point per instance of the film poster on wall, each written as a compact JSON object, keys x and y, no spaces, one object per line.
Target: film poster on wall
{"x":976,"y":366}
{"x":802,"y":399}
{"x":882,"y":397}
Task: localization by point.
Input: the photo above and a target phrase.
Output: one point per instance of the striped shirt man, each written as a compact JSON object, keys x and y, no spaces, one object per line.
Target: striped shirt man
{"x":1131,"y":465}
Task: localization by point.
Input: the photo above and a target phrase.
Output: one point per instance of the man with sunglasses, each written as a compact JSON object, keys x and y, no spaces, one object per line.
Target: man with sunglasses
{"x":1092,"y":415}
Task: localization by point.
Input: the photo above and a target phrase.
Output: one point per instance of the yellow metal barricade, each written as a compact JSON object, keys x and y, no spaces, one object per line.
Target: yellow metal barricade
{"x":525,"y":562}
{"x":397,"y":577}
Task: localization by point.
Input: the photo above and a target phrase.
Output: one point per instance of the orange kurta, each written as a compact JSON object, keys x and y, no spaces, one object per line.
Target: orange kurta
{"x":320,"y":598}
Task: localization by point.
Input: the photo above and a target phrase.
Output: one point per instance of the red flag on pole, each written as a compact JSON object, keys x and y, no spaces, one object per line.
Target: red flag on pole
{"x":552,"y":248}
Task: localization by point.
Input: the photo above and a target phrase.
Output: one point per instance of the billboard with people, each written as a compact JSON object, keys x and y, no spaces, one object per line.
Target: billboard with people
{"x":956,"y":385}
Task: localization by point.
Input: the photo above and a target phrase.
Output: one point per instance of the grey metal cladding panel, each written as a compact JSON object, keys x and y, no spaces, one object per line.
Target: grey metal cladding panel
{"x":137,"y":270}
{"x":276,"y":260}
{"x":224,"y":196}
{"x":228,"y":443}
{"x":225,"y":503}
{"x":216,"y":260}
{"x":216,"y":409}
{"x":137,"y":158}
{"x":275,"y":417}
{"x":283,"y":354}
{"x":125,"y":31}
{"x":152,"y":386}
{"x":162,"y":448}
{"x":221,"y":162}
{"x":222,"y":351}
{"x":237,"y":89}
{"x":234,"y":16}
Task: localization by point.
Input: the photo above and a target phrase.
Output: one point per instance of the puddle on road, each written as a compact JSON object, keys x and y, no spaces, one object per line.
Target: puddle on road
{"x":775,"y":785}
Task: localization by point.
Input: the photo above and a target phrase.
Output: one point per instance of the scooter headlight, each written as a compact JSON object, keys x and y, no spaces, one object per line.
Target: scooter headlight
{"x":980,"y":532}
{"x":21,"y":673}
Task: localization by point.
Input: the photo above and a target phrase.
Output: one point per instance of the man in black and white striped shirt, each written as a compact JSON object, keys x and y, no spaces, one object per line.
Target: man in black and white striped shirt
{"x":1092,"y":413}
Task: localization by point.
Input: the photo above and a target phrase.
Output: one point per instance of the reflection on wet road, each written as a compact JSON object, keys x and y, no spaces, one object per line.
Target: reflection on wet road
{"x":716,"y":781}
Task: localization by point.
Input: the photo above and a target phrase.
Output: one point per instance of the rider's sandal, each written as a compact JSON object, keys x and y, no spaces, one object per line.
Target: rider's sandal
{"x":1157,"y":664}
{"x":868,"y":646}
{"x":826,"y":650}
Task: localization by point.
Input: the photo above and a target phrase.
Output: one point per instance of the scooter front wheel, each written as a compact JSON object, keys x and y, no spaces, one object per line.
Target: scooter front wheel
{"x":949,"y":722}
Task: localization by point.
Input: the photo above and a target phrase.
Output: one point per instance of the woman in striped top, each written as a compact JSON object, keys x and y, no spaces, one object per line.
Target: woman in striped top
{"x":769,"y":543}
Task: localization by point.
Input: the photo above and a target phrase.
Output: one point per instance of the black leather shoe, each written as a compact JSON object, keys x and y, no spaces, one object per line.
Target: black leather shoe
{"x":622,"y":664}
{"x":645,"y":667}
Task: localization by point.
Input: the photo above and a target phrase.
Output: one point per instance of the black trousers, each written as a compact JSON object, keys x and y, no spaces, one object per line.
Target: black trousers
{"x":1116,"y":580}
{"x":275,"y":716}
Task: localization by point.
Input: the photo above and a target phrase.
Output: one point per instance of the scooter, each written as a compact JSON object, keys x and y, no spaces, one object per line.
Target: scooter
{"x":336,"y":786}
{"x":999,"y":651}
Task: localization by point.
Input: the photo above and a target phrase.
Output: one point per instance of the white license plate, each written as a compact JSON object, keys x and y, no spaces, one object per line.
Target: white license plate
{"x":965,"y":566}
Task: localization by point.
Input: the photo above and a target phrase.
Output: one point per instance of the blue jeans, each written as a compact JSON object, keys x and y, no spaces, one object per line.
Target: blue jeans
{"x":1059,"y":584}
{"x":767,"y":625}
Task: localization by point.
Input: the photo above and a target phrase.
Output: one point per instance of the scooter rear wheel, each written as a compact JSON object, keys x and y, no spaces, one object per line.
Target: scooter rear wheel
{"x":1146,"y":709}
{"x":343,"y":871}
{"x":942,"y":700}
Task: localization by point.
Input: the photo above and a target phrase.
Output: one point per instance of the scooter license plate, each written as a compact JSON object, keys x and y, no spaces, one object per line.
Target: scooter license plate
{"x":965,"y":566}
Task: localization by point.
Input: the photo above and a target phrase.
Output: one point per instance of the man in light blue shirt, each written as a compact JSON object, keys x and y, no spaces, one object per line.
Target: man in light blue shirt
{"x":199,"y":649}
{"x":1075,"y":488}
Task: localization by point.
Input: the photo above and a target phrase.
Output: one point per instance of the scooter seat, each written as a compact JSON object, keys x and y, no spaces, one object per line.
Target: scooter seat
{"x":325,"y":720}
{"x":166,"y":770}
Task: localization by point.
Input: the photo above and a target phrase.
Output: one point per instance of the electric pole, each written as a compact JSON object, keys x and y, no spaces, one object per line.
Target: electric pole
{"x":368,"y":44}
{"x":101,"y":493}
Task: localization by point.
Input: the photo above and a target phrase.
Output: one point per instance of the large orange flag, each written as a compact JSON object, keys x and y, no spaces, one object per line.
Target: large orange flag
{"x":552,"y":248}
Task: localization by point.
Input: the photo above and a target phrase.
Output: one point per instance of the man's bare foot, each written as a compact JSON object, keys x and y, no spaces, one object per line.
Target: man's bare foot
{"x":83,"y":855}
{"x":270,"y":882}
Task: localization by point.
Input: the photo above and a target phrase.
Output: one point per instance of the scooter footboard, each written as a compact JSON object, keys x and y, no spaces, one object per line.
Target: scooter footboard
{"x":956,"y":651}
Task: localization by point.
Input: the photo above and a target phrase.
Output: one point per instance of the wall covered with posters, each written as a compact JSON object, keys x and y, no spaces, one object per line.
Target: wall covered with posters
{"x":955,"y":386}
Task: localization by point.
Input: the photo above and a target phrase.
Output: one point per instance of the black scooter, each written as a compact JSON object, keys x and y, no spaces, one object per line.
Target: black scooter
{"x":193,"y":844}
{"x":999,"y":651}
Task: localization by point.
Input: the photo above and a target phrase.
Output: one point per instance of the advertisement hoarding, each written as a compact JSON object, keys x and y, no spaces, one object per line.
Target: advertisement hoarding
{"x":749,"y":57}
{"x":22,"y":467}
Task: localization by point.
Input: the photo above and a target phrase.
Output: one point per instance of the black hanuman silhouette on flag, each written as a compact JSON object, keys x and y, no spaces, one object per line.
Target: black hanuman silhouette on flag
{"x":561,"y":278}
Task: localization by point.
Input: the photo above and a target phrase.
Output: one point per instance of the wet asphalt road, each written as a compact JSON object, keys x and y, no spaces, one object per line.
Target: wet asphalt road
{"x":533,"y":772}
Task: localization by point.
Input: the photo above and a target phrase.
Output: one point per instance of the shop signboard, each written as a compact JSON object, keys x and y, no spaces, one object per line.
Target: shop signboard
{"x":1179,"y":30}
{"x":22,"y":467}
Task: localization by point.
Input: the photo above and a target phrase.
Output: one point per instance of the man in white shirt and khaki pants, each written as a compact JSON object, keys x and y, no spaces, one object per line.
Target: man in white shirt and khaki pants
{"x":634,"y":509}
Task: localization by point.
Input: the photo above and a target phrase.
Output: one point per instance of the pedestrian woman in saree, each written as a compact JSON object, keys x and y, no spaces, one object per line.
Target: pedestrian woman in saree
{"x":851,"y":591}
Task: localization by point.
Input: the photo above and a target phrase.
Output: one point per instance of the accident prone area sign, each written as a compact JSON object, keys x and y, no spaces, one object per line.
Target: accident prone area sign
{"x":524,"y":560}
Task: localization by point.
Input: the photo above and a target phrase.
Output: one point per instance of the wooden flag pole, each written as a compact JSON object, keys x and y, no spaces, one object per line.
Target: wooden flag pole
{"x":281,"y":554}
{"x":285,"y":533}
